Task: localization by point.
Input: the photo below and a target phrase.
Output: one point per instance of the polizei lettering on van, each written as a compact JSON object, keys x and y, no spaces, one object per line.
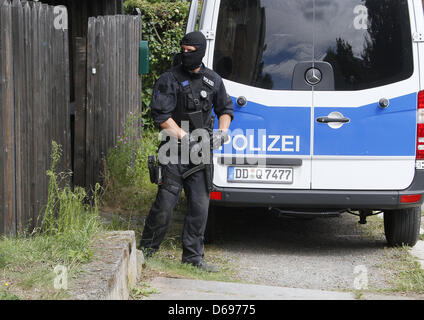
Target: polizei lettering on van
{"x":262,"y":143}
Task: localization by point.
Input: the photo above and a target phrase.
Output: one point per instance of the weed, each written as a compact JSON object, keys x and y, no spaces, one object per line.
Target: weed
{"x":409,"y":276}
{"x":67,"y":218}
{"x":64,"y":237}
{"x":145,"y":291}
{"x":126,"y":175}
{"x":359,"y":295}
{"x":119,"y":223}
{"x":403,"y":272}
{"x":4,"y":295}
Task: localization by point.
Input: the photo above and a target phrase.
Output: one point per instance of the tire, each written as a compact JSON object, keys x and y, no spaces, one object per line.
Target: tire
{"x":402,"y":227}
{"x":210,"y":231}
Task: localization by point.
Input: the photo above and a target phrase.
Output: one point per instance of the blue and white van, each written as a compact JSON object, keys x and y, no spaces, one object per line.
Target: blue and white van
{"x":329,"y":102}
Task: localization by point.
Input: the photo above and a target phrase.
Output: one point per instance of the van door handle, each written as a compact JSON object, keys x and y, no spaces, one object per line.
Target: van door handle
{"x":333,"y":120}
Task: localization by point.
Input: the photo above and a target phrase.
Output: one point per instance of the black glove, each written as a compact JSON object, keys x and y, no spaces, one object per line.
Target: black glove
{"x":219,"y":138}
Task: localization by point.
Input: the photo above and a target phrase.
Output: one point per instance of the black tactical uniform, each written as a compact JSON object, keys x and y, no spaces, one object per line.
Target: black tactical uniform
{"x":176,"y":93}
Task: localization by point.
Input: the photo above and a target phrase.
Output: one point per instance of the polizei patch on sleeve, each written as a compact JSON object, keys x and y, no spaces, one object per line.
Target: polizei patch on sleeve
{"x":210,"y":83}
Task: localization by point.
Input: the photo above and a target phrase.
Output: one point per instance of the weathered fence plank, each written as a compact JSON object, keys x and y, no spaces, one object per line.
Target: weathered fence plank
{"x":90,"y":101}
{"x":66,"y":105}
{"x":28,"y":102}
{"x":112,"y":83}
{"x":7,"y":133}
{"x":80,"y":66}
{"x":17,"y":22}
{"x":38,"y":117}
{"x":97,"y":106}
{"x":107,"y":78}
{"x":2,"y":116}
{"x":114,"y":90}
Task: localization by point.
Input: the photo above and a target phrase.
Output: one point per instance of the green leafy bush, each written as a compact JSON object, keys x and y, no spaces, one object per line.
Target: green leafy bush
{"x":163,"y":25}
{"x":127,"y":182}
{"x":121,"y":159}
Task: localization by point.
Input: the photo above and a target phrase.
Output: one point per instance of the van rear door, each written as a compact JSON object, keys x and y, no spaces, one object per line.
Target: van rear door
{"x":258,"y":45}
{"x":364,"y":129}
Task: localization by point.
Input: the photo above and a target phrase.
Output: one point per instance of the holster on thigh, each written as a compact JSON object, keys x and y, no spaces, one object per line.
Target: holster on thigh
{"x":171,"y":182}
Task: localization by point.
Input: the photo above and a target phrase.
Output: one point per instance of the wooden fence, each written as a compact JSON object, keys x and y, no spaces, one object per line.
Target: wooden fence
{"x":112,"y":85}
{"x":34,"y":108}
{"x":79,"y":12}
{"x":35,"y":102}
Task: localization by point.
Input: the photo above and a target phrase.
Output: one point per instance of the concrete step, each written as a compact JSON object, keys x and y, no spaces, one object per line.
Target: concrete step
{"x":112,"y":271}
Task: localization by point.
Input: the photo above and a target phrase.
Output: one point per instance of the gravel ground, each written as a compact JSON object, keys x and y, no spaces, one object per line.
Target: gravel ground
{"x":310,"y":254}
{"x":315,"y":254}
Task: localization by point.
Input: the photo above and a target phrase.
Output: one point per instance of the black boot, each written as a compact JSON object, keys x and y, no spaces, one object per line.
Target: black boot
{"x":204,"y":266}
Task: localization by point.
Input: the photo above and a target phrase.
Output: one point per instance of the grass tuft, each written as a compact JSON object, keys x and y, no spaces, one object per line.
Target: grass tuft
{"x":408,"y":275}
{"x":144,"y":290}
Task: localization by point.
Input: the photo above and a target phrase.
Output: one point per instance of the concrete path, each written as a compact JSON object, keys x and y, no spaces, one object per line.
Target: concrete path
{"x":418,"y":252}
{"x":186,"y":289}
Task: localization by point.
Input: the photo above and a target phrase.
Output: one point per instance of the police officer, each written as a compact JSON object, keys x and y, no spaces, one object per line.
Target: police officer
{"x":185,"y":89}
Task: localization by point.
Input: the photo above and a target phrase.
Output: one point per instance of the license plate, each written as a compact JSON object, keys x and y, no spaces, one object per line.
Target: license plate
{"x":260,"y":175}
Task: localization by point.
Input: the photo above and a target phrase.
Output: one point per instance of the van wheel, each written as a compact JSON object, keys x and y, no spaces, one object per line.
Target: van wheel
{"x":210,"y":232}
{"x":402,"y":227}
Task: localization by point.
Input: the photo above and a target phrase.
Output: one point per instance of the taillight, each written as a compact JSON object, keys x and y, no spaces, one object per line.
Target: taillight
{"x":216,"y":196}
{"x":410,"y":198}
{"x":420,"y":126}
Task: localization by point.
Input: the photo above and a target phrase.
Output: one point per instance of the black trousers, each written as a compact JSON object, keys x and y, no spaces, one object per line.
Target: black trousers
{"x":157,"y":222}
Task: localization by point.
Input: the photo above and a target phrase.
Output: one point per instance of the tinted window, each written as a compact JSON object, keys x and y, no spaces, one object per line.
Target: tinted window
{"x":367,"y":42}
{"x":258,"y":43}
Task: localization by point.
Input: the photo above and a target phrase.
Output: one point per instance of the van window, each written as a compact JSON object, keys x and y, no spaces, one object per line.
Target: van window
{"x":367,"y":42}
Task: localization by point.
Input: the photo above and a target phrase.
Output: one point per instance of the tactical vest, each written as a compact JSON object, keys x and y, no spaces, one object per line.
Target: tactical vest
{"x":195,"y":94}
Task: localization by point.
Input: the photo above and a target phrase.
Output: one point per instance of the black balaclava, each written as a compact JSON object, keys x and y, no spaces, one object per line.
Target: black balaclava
{"x":193,"y":60}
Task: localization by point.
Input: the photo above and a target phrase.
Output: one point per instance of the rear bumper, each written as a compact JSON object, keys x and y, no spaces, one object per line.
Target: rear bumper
{"x":334,"y":199}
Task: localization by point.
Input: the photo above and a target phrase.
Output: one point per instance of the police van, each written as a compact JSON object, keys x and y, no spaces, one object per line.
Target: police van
{"x":329,"y":107}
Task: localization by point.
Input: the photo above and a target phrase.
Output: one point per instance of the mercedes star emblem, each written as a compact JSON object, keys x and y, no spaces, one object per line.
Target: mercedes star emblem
{"x":313,"y":76}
